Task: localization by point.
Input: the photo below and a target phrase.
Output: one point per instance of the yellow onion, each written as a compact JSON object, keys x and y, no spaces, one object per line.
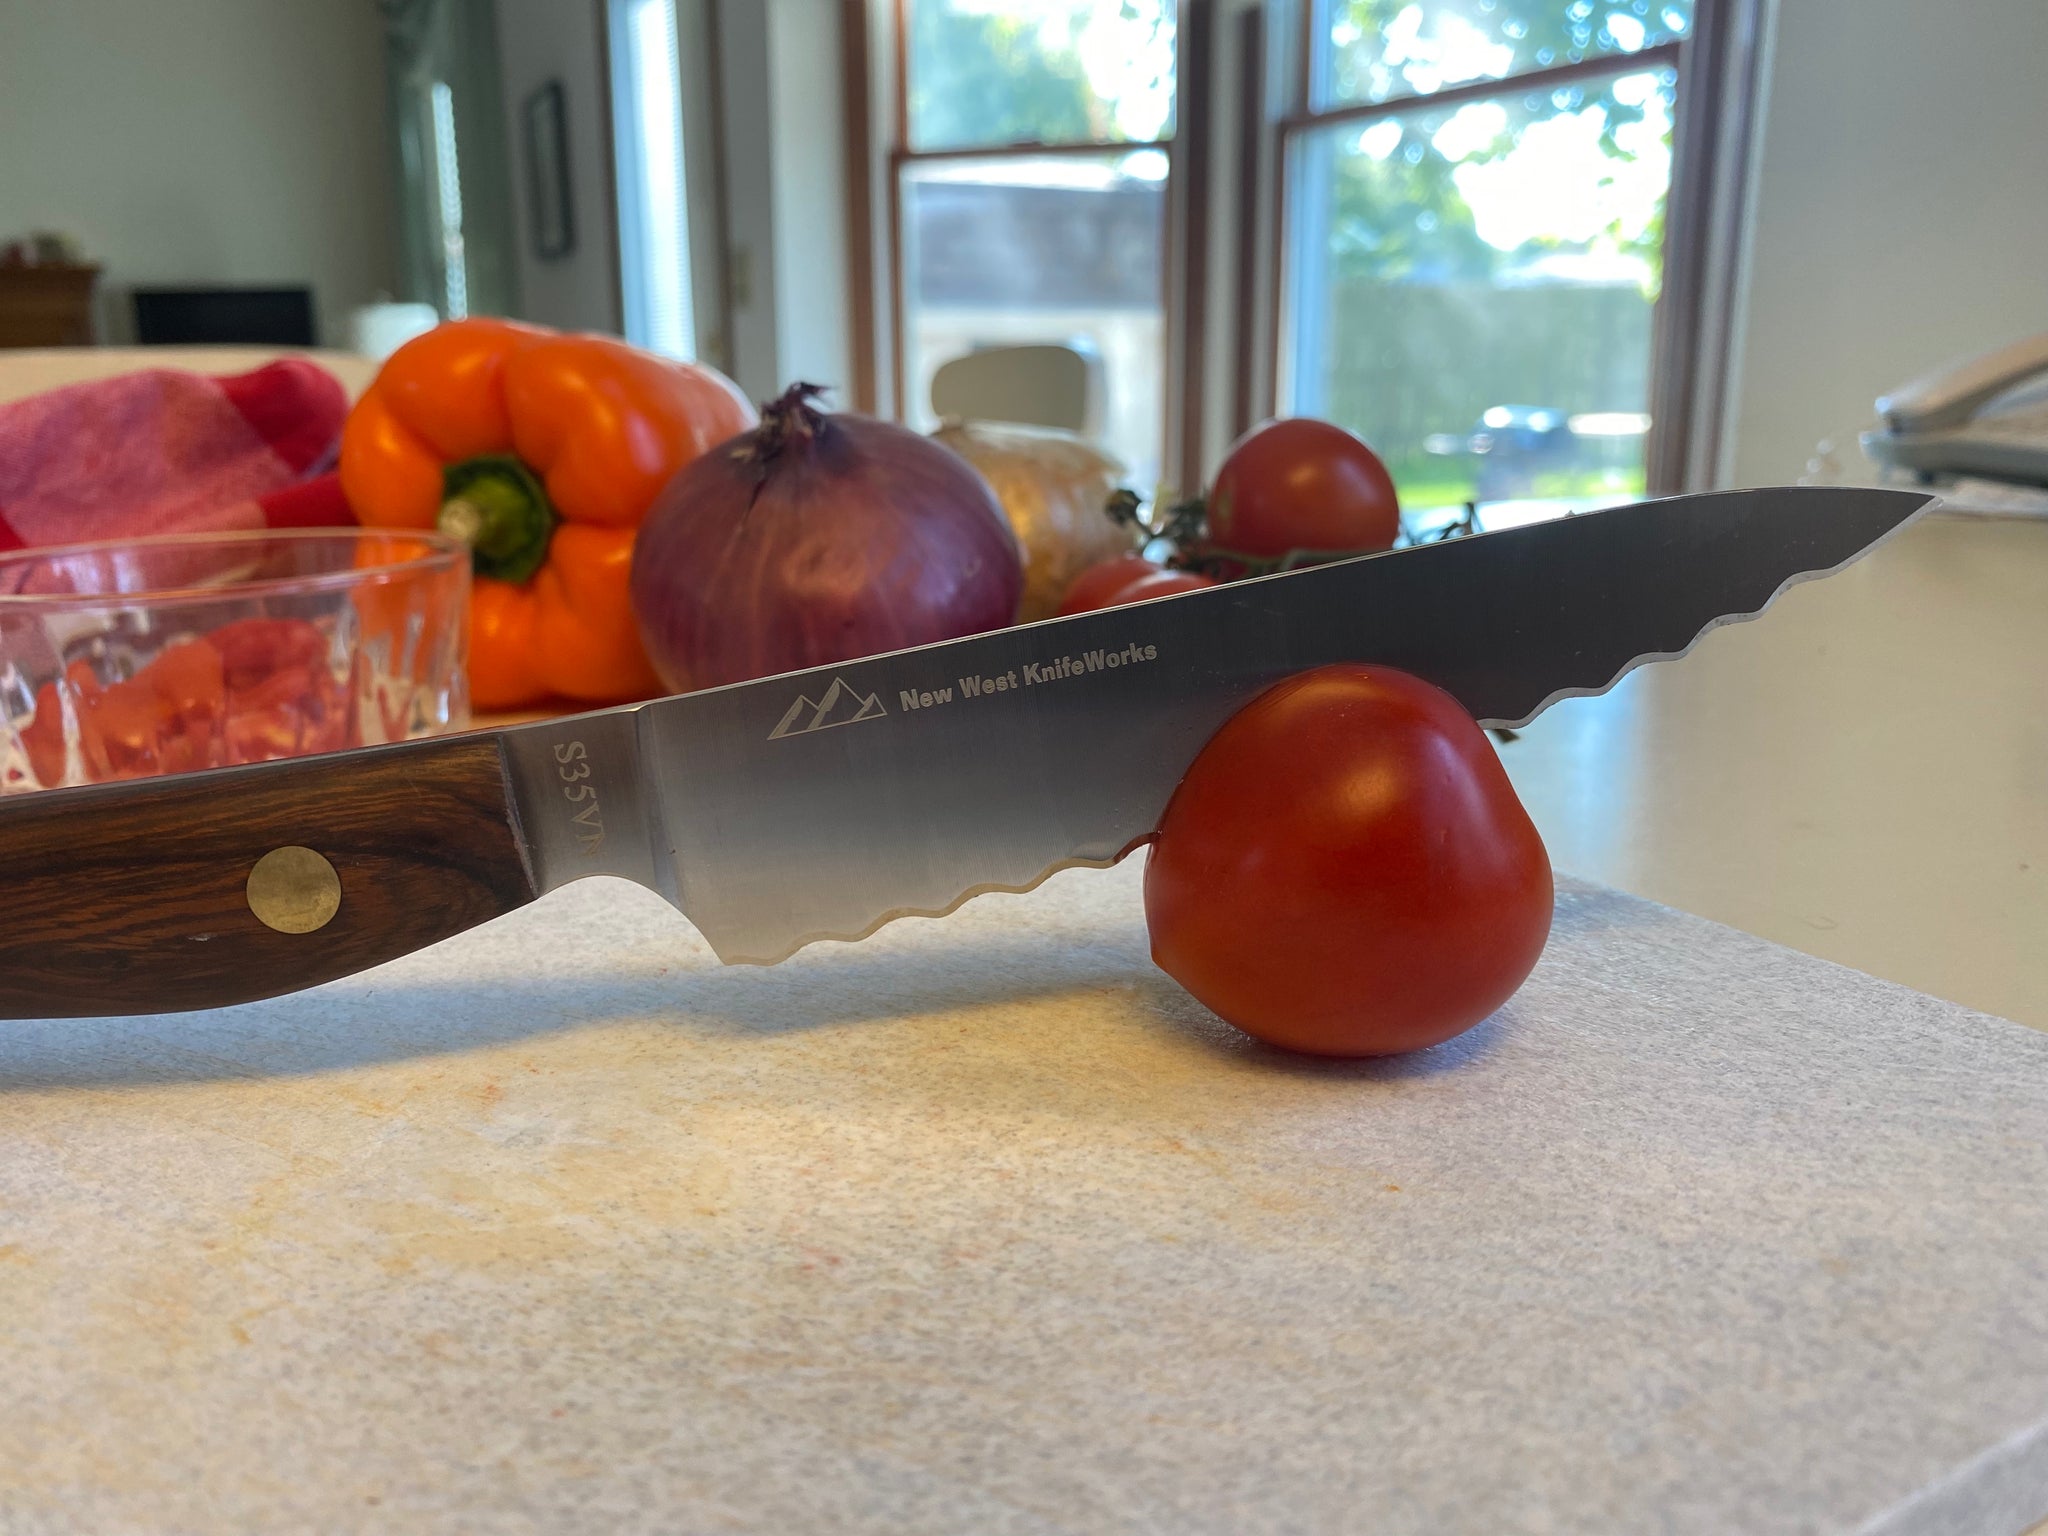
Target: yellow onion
{"x":1053,"y":487}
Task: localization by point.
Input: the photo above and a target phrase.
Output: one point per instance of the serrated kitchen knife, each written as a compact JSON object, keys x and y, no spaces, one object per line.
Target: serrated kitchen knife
{"x":822,"y":804}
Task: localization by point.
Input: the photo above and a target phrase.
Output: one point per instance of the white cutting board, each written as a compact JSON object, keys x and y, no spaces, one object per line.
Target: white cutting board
{"x":982,"y":1226}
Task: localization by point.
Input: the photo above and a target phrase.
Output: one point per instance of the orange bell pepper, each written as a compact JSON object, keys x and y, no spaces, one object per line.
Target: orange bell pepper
{"x":542,"y":451}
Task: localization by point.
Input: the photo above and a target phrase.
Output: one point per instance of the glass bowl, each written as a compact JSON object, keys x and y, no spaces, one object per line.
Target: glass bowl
{"x":163,"y":655}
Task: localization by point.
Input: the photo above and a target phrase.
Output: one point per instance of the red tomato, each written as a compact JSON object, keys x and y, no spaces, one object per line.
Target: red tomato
{"x":254,"y":650}
{"x":1301,"y":484}
{"x":1345,"y":869}
{"x":251,"y":690}
{"x":1097,"y":586}
{"x":162,"y":720}
{"x":1127,"y":579}
{"x":43,"y":737}
{"x":1160,"y":584}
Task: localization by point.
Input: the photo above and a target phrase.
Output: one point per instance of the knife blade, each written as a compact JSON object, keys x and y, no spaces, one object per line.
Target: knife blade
{"x":822,"y":804}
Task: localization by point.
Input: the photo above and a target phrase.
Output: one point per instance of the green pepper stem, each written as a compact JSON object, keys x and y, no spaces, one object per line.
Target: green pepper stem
{"x":499,"y":508}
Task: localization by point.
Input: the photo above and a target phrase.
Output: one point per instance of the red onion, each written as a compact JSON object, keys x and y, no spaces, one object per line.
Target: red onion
{"x":815,"y":539}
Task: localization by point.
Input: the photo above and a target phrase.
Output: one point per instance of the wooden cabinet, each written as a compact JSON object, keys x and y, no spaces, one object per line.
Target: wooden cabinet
{"x":46,"y":306}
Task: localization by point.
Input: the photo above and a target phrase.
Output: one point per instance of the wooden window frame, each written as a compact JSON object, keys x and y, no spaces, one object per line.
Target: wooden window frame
{"x":1718,"y":65}
{"x":1183,"y":237}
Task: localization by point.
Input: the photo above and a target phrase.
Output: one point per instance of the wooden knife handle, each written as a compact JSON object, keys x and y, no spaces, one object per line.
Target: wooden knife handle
{"x":139,"y":897}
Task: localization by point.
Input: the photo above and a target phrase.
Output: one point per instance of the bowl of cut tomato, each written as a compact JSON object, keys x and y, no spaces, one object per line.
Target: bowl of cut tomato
{"x":187,"y":651}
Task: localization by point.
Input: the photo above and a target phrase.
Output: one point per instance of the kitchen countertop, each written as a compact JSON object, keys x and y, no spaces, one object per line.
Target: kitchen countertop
{"x":983,"y":1226}
{"x":1861,"y":774}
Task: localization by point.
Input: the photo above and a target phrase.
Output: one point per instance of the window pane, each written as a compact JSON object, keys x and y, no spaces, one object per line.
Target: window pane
{"x":1376,"y":50}
{"x":1054,"y":249}
{"x":1472,"y":288}
{"x":991,"y":72}
{"x":654,"y":220}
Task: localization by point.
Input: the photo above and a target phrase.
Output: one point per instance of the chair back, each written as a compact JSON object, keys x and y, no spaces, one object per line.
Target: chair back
{"x":1040,"y":386}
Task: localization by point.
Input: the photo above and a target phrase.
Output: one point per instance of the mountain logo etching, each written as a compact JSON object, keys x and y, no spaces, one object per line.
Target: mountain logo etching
{"x":840,"y":704}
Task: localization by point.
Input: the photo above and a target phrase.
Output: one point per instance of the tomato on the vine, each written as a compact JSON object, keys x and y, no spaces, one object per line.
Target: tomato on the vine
{"x":1161,"y":583}
{"x":1302,"y":485}
{"x":1100,"y":582}
{"x":1345,"y":869}
{"x":1127,"y":579}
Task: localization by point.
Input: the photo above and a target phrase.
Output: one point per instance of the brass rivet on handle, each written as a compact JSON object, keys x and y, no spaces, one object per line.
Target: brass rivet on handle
{"x":294,"y":890}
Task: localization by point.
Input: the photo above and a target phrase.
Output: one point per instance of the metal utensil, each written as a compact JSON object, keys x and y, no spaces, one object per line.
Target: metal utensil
{"x":822,"y":804}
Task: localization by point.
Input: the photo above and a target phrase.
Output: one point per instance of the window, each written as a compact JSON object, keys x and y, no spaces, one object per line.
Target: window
{"x":1032,"y":175}
{"x":654,"y":220}
{"x":454,"y":204}
{"x":1476,"y":204}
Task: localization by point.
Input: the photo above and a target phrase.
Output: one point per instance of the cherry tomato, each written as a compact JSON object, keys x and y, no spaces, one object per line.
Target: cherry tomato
{"x":1097,"y":586}
{"x":1301,"y":484}
{"x":1345,"y":869}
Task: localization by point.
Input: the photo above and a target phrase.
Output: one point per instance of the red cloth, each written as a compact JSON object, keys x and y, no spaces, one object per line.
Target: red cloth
{"x":165,"y":451}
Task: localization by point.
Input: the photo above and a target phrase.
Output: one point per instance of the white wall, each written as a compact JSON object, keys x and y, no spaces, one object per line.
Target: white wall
{"x":202,"y":141}
{"x":539,"y":41}
{"x":1901,"y":213}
